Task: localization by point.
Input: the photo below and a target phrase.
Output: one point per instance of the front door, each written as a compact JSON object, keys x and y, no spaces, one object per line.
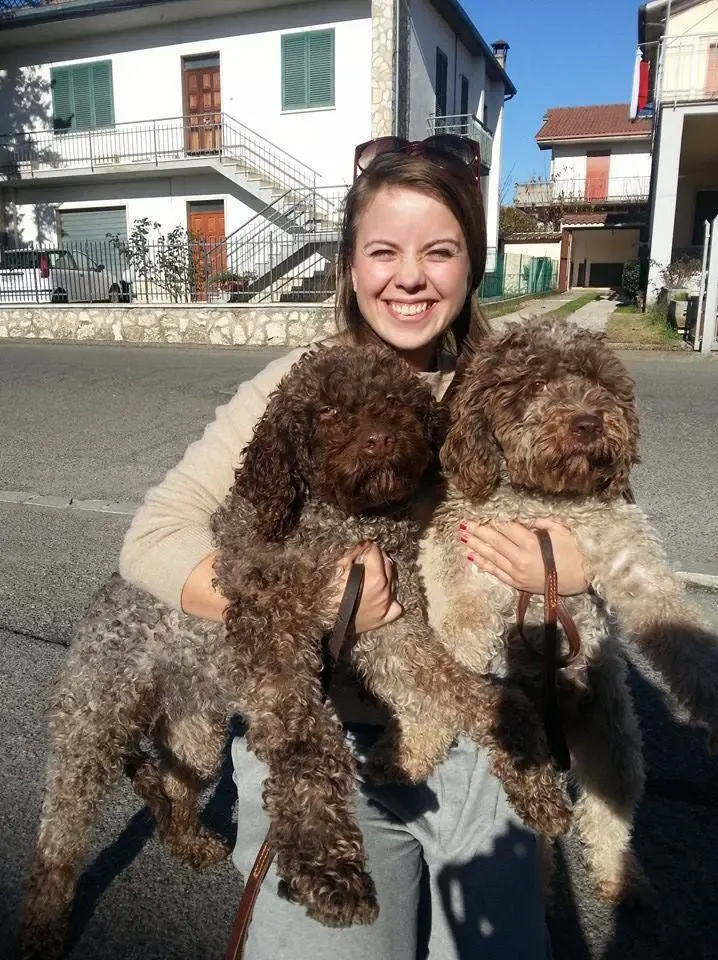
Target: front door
{"x":203,"y":105}
{"x":597,"y":169}
{"x":205,"y":224}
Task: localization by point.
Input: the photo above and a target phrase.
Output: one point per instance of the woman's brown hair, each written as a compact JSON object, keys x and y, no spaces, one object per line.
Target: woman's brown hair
{"x":451,"y":185}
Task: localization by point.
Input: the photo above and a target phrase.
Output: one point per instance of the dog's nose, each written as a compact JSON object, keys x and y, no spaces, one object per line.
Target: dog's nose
{"x":587,"y":426}
{"x":379,"y":443}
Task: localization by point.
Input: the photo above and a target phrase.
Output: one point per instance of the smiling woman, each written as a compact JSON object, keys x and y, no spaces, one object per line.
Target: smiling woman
{"x":412,"y":255}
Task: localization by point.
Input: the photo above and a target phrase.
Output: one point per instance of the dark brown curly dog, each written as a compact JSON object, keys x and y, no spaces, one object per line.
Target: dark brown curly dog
{"x":544,"y":424}
{"x":338,"y":459}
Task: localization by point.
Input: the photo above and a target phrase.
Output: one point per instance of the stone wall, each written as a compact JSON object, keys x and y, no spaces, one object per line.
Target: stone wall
{"x":285,"y":325}
{"x":382,"y":68}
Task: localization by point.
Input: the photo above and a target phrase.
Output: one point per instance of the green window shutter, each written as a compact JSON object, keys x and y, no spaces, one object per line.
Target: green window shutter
{"x":441,"y":85}
{"x":103,"y":103}
{"x":294,"y":71}
{"x":321,"y":69}
{"x":82,"y":97}
{"x":61,"y":86}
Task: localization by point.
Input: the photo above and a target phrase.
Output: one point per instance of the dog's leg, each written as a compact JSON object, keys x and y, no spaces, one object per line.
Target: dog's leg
{"x":607,"y":763}
{"x":628,"y":568}
{"x":308,"y":794}
{"x":407,"y":667}
{"x":87,"y":760}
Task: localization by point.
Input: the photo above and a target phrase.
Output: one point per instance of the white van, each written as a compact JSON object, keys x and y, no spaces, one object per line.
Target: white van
{"x":29,"y":275}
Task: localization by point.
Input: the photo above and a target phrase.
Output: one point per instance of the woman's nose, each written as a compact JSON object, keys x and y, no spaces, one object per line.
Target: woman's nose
{"x":409,"y":274}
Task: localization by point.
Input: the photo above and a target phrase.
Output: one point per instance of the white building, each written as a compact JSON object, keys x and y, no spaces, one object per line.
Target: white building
{"x":595,"y":199}
{"x":680,"y":43}
{"x":206,"y":114}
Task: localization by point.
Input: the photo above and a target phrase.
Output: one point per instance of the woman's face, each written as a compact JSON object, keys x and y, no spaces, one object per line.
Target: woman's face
{"x":410,"y":271}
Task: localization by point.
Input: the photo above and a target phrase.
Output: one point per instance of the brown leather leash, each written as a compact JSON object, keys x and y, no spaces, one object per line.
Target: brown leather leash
{"x":555,"y":611}
{"x":333,"y":648}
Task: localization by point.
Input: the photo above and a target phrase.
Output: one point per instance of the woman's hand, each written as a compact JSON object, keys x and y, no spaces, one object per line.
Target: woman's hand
{"x":512,"y":553}
{"x":377,"y":605}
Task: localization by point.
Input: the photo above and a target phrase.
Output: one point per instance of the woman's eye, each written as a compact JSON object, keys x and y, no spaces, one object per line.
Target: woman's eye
{"x":382,"y":254}
{"x":441,"y":254}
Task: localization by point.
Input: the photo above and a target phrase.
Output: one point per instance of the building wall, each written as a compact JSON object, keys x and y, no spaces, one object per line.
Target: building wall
{"x":629,"y":170}
{"x":147,"y":75}
{"x":163,"y":200}
{"x":601,"y":246}
{"x":699,"y":19}
{"x":542,"y":248}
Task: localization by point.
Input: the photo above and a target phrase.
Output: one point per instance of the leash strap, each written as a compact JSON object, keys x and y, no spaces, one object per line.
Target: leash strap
{"x":554,"y":609}
{"x":343,"y":628}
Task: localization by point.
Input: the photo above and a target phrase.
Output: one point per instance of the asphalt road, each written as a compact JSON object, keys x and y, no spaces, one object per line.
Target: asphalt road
{"x":101,"y":423}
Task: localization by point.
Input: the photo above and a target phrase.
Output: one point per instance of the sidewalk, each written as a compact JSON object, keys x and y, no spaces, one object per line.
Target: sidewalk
{"x":592,"y":316}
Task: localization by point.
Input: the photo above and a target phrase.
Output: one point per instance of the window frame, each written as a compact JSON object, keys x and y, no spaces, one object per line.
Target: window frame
{"x":288,"y":106}
{"x":70,"y":70}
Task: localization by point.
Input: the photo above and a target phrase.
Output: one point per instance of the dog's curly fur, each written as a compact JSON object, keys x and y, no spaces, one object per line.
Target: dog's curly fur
{"x":543,"y":424}
{"x":336,"y":459}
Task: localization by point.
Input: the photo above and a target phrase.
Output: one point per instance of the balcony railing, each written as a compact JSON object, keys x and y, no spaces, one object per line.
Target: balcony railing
{"x":156,"y":142}
{"x":584,"y":190}
{"x":689,"y":68}
{"x":465,"y":125}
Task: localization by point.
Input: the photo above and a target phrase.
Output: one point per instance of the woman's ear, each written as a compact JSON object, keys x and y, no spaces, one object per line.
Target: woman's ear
{"x":269,"y":476}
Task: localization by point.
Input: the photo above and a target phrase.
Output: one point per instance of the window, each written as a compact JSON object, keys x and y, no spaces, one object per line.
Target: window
{"x":308,"y":70}
{"x":464,"y":96}
{"x":82,"y":96}
{"x":442,"y":72}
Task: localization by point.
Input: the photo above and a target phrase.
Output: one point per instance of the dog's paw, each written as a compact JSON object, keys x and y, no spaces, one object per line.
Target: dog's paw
{"x":200,"y":848}
{"x":539,"y":797}
{"x":337,"y":895}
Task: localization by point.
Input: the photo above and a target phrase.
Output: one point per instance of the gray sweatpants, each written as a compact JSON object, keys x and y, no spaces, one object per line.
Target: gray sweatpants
{"x":457,"y":874}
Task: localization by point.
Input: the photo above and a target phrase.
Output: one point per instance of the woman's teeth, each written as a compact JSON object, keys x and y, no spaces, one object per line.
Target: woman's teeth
{"x":410,"y":309}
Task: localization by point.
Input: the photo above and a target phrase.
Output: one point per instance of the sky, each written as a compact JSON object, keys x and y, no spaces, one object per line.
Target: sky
{"x":564,"y":53}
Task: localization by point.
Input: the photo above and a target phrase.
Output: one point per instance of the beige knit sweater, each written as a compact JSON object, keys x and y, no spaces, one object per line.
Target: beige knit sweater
{"x":170,"y":533}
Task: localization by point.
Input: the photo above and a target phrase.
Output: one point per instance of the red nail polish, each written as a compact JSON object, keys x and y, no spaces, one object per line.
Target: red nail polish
{"x":462,"y":525}
{"x":470,"y":557}
{"x":462,"y":539}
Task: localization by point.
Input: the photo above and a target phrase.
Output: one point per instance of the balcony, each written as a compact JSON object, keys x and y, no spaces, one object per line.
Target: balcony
{"x":174,"y":143}
{"x":465,"y":125}
{"x":583,"y":191}
{"x":688,"y":69}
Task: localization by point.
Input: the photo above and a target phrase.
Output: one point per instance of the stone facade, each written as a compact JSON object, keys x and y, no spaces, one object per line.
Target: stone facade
{"x":382,"y":67}
{"x":290,"y":325}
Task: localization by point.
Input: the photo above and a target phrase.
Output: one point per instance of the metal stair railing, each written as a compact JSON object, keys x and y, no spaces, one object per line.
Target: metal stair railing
{"x":260,"y":252}
{"x":25,"y":153}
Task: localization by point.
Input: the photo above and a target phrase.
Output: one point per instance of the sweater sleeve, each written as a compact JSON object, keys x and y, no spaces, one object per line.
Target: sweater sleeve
{"x":170,"y":533}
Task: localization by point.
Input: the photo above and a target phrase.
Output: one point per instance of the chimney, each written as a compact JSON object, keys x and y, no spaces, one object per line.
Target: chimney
{"x":501,"y":51}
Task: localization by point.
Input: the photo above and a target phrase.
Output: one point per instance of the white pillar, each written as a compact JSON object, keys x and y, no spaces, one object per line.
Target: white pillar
{"x":711,"y":309}
{"x":492,"y":201}
{"x":664,"y":201}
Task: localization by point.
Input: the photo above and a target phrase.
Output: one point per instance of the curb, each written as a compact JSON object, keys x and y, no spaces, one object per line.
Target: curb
{"x":697,"y":578}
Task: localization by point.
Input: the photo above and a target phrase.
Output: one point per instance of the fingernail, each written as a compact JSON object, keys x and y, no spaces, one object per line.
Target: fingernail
{"x":470,"y":557}
{"x":462,"y":525}
{"x":462,"y":539}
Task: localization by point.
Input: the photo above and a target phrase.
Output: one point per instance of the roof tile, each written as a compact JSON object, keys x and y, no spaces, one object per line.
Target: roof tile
{"x":604,"y":120}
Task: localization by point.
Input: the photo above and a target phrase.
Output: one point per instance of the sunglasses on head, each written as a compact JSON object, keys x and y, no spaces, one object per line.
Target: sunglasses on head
{"x":442,"y":147}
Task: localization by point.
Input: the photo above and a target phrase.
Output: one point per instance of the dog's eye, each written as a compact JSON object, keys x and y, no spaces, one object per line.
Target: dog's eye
{"x":327,"y":413}
{"x":539,"y":386}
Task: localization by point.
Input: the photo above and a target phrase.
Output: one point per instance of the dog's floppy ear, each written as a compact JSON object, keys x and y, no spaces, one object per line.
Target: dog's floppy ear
{"x":470,"y":454}
{"x":269,"y":476}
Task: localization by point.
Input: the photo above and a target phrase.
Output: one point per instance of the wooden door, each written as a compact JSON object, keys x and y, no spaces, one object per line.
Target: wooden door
{"x":205,"y":224}
{"x":597,"y":171}
{"x":203,"y":109}
{"x":712,"y":71}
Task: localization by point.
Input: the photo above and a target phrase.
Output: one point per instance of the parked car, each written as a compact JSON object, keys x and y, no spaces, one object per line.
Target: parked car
{"x":29,"y":275}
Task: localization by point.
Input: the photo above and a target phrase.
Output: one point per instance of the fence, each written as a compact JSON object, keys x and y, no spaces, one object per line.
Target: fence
{"x":274,"y":269}
{"x":515,"y":275}
{"x":254,"y":266}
